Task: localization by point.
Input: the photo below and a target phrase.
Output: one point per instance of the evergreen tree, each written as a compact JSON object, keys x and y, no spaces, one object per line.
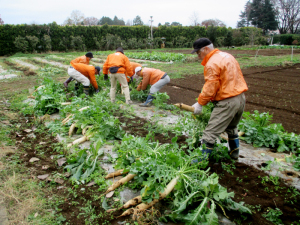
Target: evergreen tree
{"x":137,"y":21}
{"x":262,"y":15}
{"x":105,"y":20}
{"x":244,"y":16}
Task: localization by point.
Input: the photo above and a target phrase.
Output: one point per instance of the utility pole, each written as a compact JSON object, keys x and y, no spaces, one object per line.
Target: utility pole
{"x":151,"y":26}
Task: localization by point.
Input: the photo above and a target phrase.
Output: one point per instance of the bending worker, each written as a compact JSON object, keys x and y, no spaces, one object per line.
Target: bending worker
{"x":133,"y":66}
{"x":154,"y":77}
{"x":85,"y":74}
{"x":85,"y":59}
{"x":118,"y":64}
{"x":224,"y":86}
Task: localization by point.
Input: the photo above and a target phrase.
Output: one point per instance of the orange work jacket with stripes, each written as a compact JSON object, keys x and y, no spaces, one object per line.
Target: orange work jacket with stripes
{"x":150,"y":76}
{"x":133,"y":66}
{"x":223,"y":77}
{"x":88,"y":71}
{"x":82,"y":59}
{"x":118,"y":59}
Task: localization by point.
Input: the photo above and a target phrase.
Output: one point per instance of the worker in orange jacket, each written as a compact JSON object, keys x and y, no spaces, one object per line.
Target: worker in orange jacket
{"x":117,"y":64}
{"x":85,"y":74}
{"x":133,"y":66}
{"x":224,"y":86}
{"x":154,"y":77}
{"x":85,"y":59}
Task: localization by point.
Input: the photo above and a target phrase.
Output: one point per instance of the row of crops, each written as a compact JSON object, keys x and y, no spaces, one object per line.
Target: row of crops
{"x":156,"y":169}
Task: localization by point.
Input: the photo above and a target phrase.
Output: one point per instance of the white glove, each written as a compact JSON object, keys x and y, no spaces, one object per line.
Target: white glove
{"x":197,"y":108}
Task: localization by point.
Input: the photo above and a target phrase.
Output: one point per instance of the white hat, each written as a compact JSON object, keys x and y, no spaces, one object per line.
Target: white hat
{"x":137,"y":69}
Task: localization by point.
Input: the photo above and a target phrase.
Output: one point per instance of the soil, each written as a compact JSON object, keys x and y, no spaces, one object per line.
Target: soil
{"x":249,"y":53}
{"x":271,"y":89}
{"x":250,"y":190}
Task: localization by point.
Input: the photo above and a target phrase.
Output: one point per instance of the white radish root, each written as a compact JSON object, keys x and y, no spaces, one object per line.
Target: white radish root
{"x":144,"y":206}
{"x":72,"y":128}
{"x":66,"y":103}
{"x":78,"y":141}
{"x":67,"y":119}
{"x":185,"y":107}
{"x":115,"y":174}
{"x":85,"y":129}
{"x":84,"y":108}
{"x":120,"y":182}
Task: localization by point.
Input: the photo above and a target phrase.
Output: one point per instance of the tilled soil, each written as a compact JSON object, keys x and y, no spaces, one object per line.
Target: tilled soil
{"x":248,"y":53}
{"x":272,"y":89}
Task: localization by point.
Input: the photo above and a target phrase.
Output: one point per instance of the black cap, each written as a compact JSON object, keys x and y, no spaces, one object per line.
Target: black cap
{"x":120,"y":49}
{"x":200,"y":43}
{"x":98,"y":68}
{"x":89,"y":54}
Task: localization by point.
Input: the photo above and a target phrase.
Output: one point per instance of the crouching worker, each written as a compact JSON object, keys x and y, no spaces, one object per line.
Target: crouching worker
{"x":224,"y":86}
{"x":85,"y":74}
{"x":154,"y":77}
{"x":118,"y":64}
{"x":85,"y":59}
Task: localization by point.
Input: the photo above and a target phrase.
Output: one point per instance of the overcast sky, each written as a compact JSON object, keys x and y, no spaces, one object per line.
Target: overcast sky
{"x":47,"y":11}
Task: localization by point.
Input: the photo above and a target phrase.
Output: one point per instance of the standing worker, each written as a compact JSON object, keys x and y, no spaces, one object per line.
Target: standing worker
{"x":85,"y":59}
{"x":85,"y":74}
{"x":118,"y":64}
{"x":154,"y":77}
{"x":224,"y":86}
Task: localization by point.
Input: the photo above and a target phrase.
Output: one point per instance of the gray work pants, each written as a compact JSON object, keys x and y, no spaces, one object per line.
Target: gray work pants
{"x":159,"y":84}
{"x":225,"y":117}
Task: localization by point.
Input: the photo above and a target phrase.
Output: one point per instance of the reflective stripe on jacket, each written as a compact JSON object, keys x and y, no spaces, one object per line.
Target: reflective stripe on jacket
{"x":150,"y":76}
{"x":119,"y":60}
{"x":88,"y":71}
{"x":223,"y":77}
{"x":133,"y":66}
{"x":82,"y":59}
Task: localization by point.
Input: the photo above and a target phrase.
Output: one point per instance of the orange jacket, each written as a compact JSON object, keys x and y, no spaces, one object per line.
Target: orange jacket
{"x":223,"y":77}
{"x":150,"y":76}
{"x":88,"y":71}
{"x":82,"y":59}
{"x":133,"y":66}
{"x":119,"y":60}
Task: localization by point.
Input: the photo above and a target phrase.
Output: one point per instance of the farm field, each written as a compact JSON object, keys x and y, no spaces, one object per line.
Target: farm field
{"x":272,"y":89}
{"x":249,"y":53}
{"x":33,"y":150}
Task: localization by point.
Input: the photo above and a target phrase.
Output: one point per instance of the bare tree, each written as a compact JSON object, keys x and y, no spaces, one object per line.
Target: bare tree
{"x":288,"y":15}
{"x":213,"y":22}
{"x":68,"y":21}
{"x":77,"y":16}
{"x":194,"y":18}
{"x":90,"y":21}
{"x":1,"y":21}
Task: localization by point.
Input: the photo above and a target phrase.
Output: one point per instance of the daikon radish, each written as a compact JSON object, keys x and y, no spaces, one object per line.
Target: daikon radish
{"x":144,"y":206}
{"x":72,"y":128}
{"x":115,"y":174}
{"x":83,"y":108}
{"x":185,"y":107}
{"x":78,"y":141}
{"x":120,"y":182}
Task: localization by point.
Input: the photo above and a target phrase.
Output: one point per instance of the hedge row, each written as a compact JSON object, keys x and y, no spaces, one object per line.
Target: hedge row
{"x":287,"y":39}
{"x":41,"y":38}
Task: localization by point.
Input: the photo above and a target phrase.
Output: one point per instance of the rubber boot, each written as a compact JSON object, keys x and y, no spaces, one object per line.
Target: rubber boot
{"x":147,"y":103}
{"x":234,"y":144}
{"x":206,"y":151}
{"x":76,"y":86}
{"x":86,"y":90}
{"x":67,"y":82}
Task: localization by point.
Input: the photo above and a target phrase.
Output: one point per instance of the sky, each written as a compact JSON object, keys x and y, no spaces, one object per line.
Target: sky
{"x":47,"y":11}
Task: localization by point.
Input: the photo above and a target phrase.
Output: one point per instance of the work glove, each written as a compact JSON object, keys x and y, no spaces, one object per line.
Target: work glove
{"x":97,"y":90}
{"x":105,"y":77}
{"x":197,"y":108}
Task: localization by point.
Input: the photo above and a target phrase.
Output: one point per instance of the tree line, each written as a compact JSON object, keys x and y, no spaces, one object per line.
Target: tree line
{"x":281,"y":15}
